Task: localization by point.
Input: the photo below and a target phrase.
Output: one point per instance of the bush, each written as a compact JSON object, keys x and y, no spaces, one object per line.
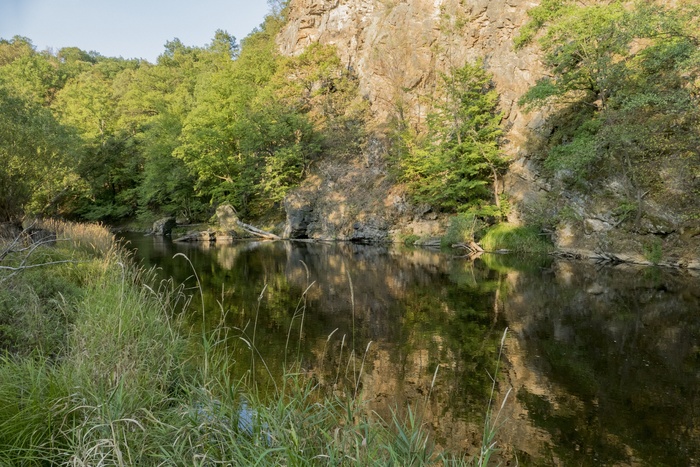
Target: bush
{"x":515,"y":238}
{"x":462,"y":229}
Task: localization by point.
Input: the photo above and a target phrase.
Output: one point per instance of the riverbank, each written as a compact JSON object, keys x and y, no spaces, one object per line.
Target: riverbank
{"x":98,"y":369}
{"x":459,"y":232}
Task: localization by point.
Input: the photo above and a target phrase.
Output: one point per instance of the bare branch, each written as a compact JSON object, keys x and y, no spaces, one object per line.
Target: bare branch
{"x":22,"y":267}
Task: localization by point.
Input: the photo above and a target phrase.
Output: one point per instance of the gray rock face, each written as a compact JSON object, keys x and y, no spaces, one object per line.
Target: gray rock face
{"x":373,"y":231}
{"x":163,"y":227}
{"x":299,"y":215}
{"x":227,"y":218}
{"x":398,"y":49}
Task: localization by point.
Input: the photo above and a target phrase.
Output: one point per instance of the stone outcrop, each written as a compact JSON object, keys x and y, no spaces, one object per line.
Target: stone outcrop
{"x":226,"y":217}
{"x":349,"y":201}
{"x":163,"y":227}
{"x":398,"y":50}
{"x":300,"y":215}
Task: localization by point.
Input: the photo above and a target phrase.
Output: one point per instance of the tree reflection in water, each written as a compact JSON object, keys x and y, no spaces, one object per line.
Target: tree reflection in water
{"x":605,"y":362}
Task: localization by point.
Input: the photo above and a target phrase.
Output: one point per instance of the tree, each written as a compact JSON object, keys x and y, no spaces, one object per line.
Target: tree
{"x":31,"y":76}
{"x":624,"y":83}
{"x":37,"y":158}
{"x":250,"y":136}
{"x":583,"y":48}
{"x":457,"y":165}
{"x":17,"y":47}
{"x":112,"y":160}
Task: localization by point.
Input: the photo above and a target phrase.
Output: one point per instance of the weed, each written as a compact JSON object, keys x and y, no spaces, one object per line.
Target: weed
{"x":514,"y":238}
{"x":653,"y":251}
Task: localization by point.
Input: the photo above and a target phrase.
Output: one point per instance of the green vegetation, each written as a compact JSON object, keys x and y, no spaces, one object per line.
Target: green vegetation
{"x":96,"y":138}
{"x":515,"y":238}
{"x":463,"y":228}
{"x":653,"y":251}
{"x":125,"y":383}
{"x":455,"y":164}
{"x":623,"y":80}
{"x":409,"y":239}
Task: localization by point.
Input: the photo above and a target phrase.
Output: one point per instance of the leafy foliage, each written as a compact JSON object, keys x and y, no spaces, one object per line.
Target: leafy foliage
{"x":221,"y":123}
{"x":455,"y":166}
{"x":36,"y":163}
{"x":624,"y":82}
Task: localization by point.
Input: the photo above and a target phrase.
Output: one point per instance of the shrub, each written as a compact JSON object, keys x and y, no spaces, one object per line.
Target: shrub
{"x":514,"y":238}
{"x":462,"y":229}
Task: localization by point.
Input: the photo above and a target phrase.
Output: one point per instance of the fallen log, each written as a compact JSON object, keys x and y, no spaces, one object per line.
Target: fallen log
{"x":257,"y":232}
{"x":469,"y":246}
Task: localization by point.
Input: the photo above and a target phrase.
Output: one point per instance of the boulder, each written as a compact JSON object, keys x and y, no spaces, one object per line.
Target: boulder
{"x":164,"y":227}
{"x":227,"y":217}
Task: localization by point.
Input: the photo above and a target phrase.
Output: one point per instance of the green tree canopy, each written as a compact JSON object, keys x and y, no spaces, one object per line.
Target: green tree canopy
{"x":456,"y":165}
{"x":37,"y":160}
{"x":624,"y":84}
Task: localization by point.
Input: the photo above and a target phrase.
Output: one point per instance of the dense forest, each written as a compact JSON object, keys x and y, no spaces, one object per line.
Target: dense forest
{"x":89,"y":137}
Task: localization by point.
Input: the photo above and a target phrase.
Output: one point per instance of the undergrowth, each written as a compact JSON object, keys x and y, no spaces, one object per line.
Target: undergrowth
{"x":129,"y":384}
{"x":517,"y":239}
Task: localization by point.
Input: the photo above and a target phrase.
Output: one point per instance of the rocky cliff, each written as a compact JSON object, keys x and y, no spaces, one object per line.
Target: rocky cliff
{"x":397,"y":49}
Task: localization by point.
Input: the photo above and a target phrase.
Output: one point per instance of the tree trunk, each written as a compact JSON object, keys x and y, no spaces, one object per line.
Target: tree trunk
{"x":257,"y":232}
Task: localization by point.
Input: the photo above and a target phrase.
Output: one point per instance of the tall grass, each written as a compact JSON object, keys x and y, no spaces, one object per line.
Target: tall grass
{"x":461,"y":229}
{"x":126,"y":388}
{"x":514,"y":238}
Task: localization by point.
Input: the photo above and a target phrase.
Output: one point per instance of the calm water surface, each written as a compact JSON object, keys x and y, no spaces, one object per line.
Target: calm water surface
{"x":604,"y":363}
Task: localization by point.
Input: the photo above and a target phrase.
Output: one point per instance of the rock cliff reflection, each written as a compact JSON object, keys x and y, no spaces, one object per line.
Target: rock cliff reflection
{"x":604,"y":363}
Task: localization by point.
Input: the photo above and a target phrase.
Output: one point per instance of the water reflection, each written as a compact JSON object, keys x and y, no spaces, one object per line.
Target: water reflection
{"x":609,"y":363}
{"x":604,"y":362}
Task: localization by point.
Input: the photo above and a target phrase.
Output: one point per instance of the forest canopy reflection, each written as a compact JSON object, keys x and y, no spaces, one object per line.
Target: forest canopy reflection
{"x":604,"y":362}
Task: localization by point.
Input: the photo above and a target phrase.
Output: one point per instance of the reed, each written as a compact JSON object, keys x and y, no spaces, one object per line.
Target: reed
{"x":514,"y":238}
{"x":128,"y":388}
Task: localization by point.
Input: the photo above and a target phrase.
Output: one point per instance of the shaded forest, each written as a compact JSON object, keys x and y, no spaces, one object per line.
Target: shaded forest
{"x":90,"y":137}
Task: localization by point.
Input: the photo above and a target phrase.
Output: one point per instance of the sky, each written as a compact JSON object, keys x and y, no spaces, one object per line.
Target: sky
{"x":127,"y":28}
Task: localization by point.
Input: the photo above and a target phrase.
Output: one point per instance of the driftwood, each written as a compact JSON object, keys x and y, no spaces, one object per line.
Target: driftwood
{"x":564,"y":254}
{"x":257,"y":232}
{"x":471,"y":246}
{"x":606,"y":258}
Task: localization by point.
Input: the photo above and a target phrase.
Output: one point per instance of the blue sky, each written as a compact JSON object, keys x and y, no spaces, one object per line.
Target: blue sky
{"x":127,"y":28}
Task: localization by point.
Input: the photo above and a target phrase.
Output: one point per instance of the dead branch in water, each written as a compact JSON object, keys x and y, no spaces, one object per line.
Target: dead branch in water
{"x":472,"y":248}
{"x":257,"y":232}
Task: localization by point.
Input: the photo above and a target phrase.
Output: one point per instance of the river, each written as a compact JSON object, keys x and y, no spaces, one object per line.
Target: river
{"x":600,"y":364}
